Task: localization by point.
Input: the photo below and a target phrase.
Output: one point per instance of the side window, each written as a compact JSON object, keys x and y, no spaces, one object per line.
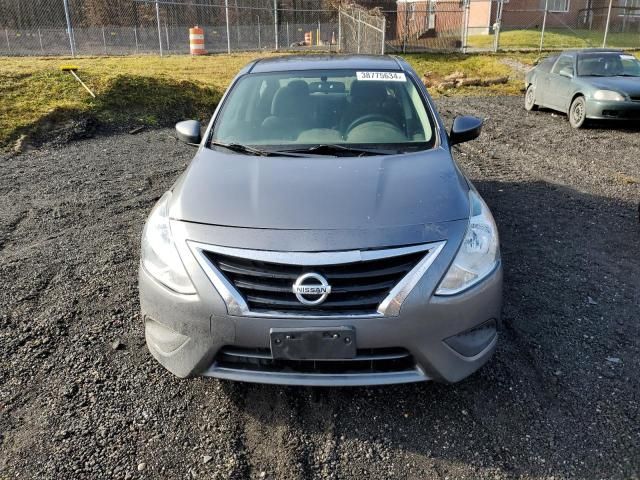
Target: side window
{"x":564,"y":64}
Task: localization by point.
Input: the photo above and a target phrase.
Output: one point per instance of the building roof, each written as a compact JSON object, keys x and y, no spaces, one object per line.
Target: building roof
{"x":323,"y":62}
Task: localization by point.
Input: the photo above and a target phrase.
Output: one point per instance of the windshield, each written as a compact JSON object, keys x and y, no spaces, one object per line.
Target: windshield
{"x":608,"y":64}
{"x":291,"y":110}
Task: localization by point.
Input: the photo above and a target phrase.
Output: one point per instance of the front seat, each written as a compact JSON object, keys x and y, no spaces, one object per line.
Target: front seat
{"x":289,"y":112}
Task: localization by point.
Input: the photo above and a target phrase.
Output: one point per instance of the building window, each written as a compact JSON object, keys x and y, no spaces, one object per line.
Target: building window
{"x":412,"y":11}
{"x":632,"y":4}
{"x":561,"y":6}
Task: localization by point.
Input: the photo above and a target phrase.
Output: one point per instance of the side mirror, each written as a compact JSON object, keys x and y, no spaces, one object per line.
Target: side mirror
{"x":566,"y":72}
{"x":189,"y":131}
{"x":464,"y":129}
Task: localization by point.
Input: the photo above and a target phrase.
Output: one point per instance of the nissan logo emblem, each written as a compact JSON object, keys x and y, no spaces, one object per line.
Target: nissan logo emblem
{"x":311,"y":285}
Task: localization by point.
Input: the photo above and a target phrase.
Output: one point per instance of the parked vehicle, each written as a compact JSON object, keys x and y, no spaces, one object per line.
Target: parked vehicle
{"x":586,"y":84}
{"x":323,"y":235}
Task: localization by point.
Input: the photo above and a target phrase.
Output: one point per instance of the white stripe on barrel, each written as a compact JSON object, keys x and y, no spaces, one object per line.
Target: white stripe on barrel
{"x":196,"y":41}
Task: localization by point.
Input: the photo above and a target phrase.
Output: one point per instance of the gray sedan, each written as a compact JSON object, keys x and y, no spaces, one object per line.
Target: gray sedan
{"x":323,"y":235}
{"x":586,"y":84}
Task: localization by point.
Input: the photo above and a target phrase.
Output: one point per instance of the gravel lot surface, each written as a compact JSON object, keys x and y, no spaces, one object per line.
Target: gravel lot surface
{"x":80,"y":396}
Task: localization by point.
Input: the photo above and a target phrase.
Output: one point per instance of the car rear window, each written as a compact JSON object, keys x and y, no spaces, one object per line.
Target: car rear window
{"x":346,"y":107}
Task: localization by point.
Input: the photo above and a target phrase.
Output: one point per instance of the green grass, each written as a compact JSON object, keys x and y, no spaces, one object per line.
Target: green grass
{"x":474,"y":65}
{"x":555,"y":39}
{"x":36,"y":95}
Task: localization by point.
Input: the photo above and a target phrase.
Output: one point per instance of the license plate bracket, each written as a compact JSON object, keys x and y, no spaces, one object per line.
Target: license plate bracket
{"x":313,"y":343}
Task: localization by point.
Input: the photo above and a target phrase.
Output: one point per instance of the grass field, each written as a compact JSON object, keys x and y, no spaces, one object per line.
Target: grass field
{"x":37,"y":95}
{"x":524,"y":39}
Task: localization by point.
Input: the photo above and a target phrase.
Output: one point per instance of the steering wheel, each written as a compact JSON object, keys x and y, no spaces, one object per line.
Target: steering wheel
{"x":372,"y":117}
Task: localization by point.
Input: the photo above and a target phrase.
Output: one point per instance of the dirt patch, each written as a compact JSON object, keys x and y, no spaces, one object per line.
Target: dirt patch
{"x":559,"y":399}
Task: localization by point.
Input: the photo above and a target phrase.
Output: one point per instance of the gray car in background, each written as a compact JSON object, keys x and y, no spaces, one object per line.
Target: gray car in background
{"x":323,"y":235}
{"x":586,"y":84}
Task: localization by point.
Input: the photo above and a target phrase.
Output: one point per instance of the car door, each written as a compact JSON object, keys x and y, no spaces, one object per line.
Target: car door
{"x":541,"y":78}
{"x":558,"y":91}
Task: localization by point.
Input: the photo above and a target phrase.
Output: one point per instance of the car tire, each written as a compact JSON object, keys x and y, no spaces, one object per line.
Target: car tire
{"x":578,"y":112}
{"x":530,"y":99}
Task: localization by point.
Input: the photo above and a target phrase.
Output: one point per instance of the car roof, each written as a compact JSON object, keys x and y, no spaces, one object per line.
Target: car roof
{"x":325,"y":62}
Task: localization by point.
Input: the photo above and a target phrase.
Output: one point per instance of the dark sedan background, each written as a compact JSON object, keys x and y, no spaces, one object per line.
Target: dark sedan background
{"x":586,"y":84}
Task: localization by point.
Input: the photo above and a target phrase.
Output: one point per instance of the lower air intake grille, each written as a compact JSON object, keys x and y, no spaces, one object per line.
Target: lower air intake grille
{"x":356,"y":287}
{"x":379,"y":360}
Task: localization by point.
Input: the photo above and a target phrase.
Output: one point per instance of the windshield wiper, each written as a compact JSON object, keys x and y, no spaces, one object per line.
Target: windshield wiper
{"x":237,"y":147}
{"x":328,"y":149}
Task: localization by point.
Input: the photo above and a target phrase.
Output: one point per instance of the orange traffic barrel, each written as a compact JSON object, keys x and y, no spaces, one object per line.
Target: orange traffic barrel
{"x":308,"y":38}
{"x":196,"y":41}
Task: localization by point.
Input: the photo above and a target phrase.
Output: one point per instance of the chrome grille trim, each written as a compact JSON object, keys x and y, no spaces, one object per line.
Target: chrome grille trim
{"x":389,"y":307}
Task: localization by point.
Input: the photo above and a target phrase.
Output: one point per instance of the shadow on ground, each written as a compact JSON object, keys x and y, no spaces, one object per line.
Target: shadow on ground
{"x":125,"y":102}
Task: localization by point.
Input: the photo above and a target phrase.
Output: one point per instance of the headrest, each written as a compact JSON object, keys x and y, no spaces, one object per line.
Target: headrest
{"x":368,"y":91}
{"x":290,"y":99}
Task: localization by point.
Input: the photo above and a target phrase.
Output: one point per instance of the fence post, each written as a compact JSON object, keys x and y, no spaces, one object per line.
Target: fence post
{"x":405,"y":34}
{"x":465,"y":26}
{"x":6,"y":34}
{"x":166,"y":34}
{"x":358,"y":37}
{"x":69,"y":29}
{"x":384,"y":30}
{"x":288,"y":40}
{"x":259,"y":42}
{"x":275,"y":21}
{"x":226,"y":17}
{"x":339,"y":29}
{"x":40,"y":38}
{"x":104,"y":41}
{"x":544,"y":24}
{"x":497,"y":26}
{"x":606,"y":28}
{"x":158,"y":23}
{"x":135,"y":35}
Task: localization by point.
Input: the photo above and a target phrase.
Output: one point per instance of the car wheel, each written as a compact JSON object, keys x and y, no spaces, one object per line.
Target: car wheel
{"x":578,"y":112}
{"x":530,"y":99}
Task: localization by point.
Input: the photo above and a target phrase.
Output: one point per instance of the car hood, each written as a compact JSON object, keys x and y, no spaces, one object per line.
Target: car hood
{"x":317,"y":193}
{"x":628,"y":85}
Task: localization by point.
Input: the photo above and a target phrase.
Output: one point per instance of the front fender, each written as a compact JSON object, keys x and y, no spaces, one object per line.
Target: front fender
{"x":574,"y":93}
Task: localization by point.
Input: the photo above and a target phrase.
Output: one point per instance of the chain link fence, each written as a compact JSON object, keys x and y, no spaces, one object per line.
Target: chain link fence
{"x":361,"y":30}
{"x":124,"y":27}
{"x":503,"y":25}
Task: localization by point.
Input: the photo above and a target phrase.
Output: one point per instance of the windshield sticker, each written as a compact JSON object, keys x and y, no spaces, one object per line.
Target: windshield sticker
{"x":627,"y":57}
{"x":381,"y":76}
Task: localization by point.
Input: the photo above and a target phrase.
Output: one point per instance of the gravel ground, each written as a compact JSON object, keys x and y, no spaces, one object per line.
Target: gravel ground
{"x":80,"y":396}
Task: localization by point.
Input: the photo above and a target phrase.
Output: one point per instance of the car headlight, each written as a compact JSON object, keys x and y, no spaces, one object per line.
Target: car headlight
{"x":608,"y":95}
{"x":479,"y":253}
{"x":159,"y":255}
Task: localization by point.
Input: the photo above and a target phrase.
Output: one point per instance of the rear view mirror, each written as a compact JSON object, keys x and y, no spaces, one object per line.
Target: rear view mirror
{"x":464,"y":129}
{"x":189,"y":131}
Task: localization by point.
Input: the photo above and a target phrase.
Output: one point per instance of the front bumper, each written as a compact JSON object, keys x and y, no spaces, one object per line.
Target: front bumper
{"x":600,"y":110}
{"x":187,"y":333}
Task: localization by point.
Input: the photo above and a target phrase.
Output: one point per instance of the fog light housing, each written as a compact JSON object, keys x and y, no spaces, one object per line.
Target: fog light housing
{"x":472,"y":342}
